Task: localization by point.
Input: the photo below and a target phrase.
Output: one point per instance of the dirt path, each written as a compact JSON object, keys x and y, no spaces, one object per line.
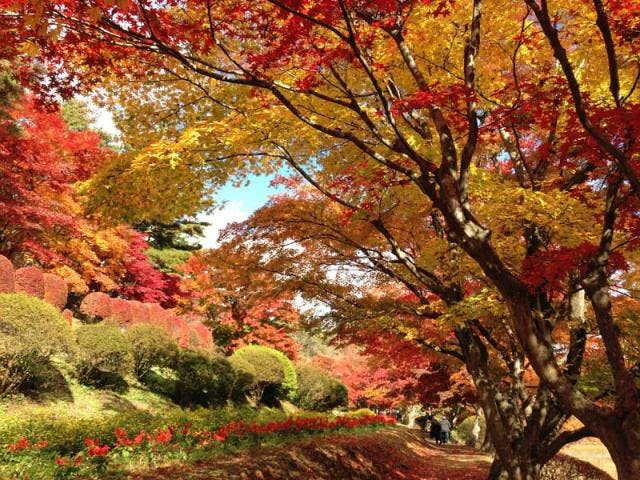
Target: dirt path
{"x":390,"y":454}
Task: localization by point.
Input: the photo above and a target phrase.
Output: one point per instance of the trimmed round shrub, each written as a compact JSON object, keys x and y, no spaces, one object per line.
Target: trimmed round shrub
{"x":179,"y":329}
{"x":121,"y":311}
{"x":139,"y":312}
{"x":275,"y":374}
{"x":55,"y":290}
{"x":244,"y":378}
{"x":157,"y":315}
{"x":318,"y":391}
{"x":67,"y":315}
{"x":31,"y":331}
{"x":102,"y":349}
{"x":96,"y":306}
{"x":7,"y":281}
{"x":163,"y":381}
{"x":151,"y":347}
{"x":30,"y":280}
{"x":203,"y":380}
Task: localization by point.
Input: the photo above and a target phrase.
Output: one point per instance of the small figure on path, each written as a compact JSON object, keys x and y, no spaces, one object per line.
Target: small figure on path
{"x":445,"y":428}
{"x":434,"y":431}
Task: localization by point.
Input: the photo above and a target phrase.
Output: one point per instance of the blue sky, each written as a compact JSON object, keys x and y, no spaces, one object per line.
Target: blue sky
{"x":240,"y":203}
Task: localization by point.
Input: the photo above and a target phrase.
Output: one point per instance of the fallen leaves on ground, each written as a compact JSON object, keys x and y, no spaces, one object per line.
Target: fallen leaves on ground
{"x":389,"y":454}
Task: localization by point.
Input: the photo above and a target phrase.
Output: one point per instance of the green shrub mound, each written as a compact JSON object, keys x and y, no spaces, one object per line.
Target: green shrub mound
{"x":318,"y":391}
{"x":275,"y":376}
{"x":464,"y":432}
{"x":203,"y":380}
{"x":162,"y":381}
{"x":152,"y":347}
{"x":103,"y":352}
{"x":244,"y":378}
{"x":31,"y":331}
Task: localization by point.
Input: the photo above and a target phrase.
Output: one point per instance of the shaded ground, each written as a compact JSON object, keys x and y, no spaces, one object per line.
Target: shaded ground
{"x":389,"y":454}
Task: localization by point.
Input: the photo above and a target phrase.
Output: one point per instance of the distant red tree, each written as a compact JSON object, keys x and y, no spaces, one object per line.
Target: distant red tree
{"x":40,"y":160}
{"x":142,"y":281}
{"x":242,"y":304}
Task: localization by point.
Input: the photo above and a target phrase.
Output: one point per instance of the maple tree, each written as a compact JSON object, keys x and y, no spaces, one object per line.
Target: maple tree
{"x":44,"y":219}
{"x":242,"y":305}
{"x":423,"y":322}
{"x":40,"y":162}
{"x":358,"y":95}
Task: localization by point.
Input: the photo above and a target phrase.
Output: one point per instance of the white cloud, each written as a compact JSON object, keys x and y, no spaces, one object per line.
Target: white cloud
{"x":103,"y":120}
{"x":231,"y":212}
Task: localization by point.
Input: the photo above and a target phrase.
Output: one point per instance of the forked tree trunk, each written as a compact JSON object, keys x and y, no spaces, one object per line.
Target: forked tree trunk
{"x":621,"y":435}
{"x":525,"y":438}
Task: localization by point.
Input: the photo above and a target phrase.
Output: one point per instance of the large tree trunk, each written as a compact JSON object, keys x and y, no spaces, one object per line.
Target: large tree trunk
{"x":524,"y":429}
{"x":619,"y":430}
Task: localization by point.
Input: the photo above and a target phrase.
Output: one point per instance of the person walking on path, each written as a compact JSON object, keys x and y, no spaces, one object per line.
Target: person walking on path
{"x":434,"y":431}
{"x":445,"y":428}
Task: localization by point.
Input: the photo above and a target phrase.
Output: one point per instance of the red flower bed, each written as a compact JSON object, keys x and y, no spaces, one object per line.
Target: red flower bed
{"x":97,"y":454}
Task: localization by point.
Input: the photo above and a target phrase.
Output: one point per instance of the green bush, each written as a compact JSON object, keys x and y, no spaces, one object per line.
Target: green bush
{"x":203,"y":380}
{"x":361,"y":412}
{"x":317,"y":391}
{"x":30,"y":332}
{"x":102,"y":350}
{"x":463,"y":432}
{"x":152,"y":347}
{"x":275,"y":376}
{"x":163,"y":381}
{"x":244,"y":378}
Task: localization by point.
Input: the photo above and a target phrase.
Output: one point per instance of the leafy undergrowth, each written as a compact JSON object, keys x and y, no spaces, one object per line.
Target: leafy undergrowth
{"x":389,"y":454}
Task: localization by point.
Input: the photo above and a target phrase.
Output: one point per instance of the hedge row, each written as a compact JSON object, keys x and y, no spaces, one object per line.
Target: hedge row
{"x":189,"y":332}
{"x":31,"y":331}
{"x":33,"y":281}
